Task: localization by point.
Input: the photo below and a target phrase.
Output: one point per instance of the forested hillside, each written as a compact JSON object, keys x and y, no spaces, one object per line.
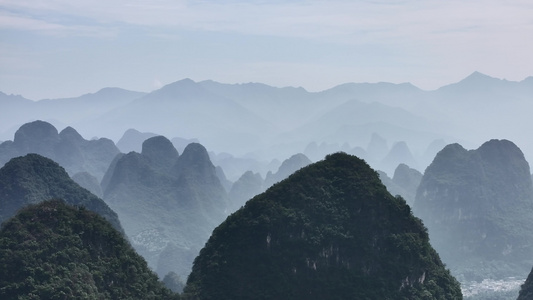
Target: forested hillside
{"x":53,"y":250}
{"x":329,"y":231}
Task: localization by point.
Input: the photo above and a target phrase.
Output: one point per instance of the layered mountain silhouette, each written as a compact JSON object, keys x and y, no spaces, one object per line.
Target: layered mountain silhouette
{"x":277,"y":122}
{"x":477,"y":205}
{"x":61,"y":112}
{"x":329,"y":231}
{"x":405,"y":182}
{"x":168,"y":203}
{"x":132,"y":140}
{"x":68,"y":148}
{"x":33,"y":178}
{"x":245,"y":188}
{"x":52,"y":250}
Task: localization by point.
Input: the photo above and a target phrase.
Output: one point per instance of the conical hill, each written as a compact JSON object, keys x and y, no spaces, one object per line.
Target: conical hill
{"x":329,"y":231}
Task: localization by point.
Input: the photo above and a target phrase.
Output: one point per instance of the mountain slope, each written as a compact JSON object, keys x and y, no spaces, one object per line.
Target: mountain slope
{"x":526,"y":292}
{"x":477,"y":206}
{"x":167,"y":203}
{"x":329,"y":231}
{"x":70,"y":253}
{"x":33,"y":178}
{"x":68,"y":148}
{"x":194,"y":113}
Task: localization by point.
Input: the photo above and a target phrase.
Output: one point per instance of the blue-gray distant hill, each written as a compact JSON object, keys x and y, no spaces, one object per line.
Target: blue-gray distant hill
{"x":272,"y":123}
{"x":68,"y":148}
{"x":478,"y":207}
{"x":63,"y":112}
{"x":168,"y":203}
{"x":186,"y":109}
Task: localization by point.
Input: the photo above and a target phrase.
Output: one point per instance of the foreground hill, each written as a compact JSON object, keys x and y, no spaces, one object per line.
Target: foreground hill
{"x":477,"y":206}
{"x":168,"y":203}
{"x":70,"y":253}
{"x":329,"y":231}
{"x":33,"y":178}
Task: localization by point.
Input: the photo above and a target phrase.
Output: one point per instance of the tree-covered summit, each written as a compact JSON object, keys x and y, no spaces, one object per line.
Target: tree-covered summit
{"x":52,"y":250}
{"x":329,"y":231}
{"x":32,"y":178}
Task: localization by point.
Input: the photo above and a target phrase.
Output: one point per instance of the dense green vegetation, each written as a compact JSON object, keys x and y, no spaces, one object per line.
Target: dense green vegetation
{"x":329,"y":231}
{"x":33,"y":178}
{"x":477,"y":206}
{"x":55,"y":251}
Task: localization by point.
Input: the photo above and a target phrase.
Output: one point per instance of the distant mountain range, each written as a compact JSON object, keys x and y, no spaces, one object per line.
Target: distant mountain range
{"x":269,"y":122}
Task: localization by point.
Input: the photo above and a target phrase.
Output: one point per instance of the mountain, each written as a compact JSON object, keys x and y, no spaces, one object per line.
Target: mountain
{"x":526,"y":291}
{"x":186,"y":109}
{"x":409,"y":179}
{"x":168,"y":203}
{"x":329,"y":231}
{"x":68,"y":148}
{"x":399,"y":154}
{"x":245,"y":188}
{"x":132,"y":140}
{"x":68,"y":252}
{"x":273,"y":123}
{"x":88,"y":182}
{"x":404,"y":182}
{"x":33,"y":178}
{"x":289,"y":166}
{"x":17,"y":110}
{"x":477,"y":205}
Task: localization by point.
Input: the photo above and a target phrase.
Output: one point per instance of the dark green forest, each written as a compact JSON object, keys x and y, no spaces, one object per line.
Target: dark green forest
{"x":55,"y":251}
{"x":329,"y":231}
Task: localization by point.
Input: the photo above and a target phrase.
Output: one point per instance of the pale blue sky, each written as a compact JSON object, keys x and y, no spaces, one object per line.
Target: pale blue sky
{"x":65,"y":48}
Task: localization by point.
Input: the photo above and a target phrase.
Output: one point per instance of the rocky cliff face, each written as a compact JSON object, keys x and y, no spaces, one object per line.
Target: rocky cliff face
{"x":477,"y":206}
{"x":329,"y":231}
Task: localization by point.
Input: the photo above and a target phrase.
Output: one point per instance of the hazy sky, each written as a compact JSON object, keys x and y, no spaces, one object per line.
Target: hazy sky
{"x":63,"y":48}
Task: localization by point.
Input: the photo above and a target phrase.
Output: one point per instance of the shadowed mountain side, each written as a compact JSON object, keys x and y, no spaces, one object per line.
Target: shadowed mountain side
{"x":33,"y":178}
{"x":526,"y":291}
{"x":477,"y":206}
{"x":164,"y":199}
{"x":68,"y":148}
{"x":71,"y":253}
{"x":404,"y":183}
{"x":245,"y":188}
{"x":329,"y":231}
{"x":88,"y":182}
